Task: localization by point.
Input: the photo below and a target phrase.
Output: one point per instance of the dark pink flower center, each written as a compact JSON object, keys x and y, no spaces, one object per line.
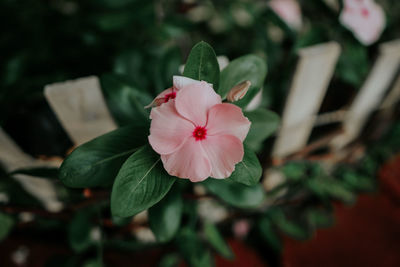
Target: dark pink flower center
{"x":169,"y":96}
{"x":364,"y":12}
{"x":200,"y":133}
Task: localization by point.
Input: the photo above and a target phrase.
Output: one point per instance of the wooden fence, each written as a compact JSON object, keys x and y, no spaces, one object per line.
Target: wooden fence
{"x":81,"y":109}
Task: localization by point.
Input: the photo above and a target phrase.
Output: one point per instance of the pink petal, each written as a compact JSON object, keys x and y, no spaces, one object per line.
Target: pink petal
{"x":168,"y":130}
{"x":190,"y":162}
{"x":181,"y":81}
{"x":194,"y":101}
{"x":289,"y":11}
{"x":223,"y":152}
{"x":227,"y":119}
{"x":366,"y":21}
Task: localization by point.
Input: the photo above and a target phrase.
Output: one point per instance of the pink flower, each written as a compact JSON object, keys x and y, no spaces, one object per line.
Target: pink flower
{"x":289,"y":11}
{"x":241,"y":228}
{"x":364,"y":18}
{"x":197,"y":135}
{"x":169,"y":94}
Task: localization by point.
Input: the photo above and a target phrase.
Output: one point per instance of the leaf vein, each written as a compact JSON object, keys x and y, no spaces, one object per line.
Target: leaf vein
{"x":144,"y":176}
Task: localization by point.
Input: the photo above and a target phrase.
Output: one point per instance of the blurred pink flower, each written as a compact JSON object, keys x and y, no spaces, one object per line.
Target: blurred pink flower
{"x":289,"y":11}
{"x":197,"y":135}
{"x":178,"y":83}
{"x":364,"y":18}
{"x":241,"y":228}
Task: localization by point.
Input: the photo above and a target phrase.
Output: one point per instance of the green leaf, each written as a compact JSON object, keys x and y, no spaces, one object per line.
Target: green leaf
{"x":249,"y":67}
{"x":294,"y":170}
{"x":130,"y":64}
{"x":263,"y":124}
{"x":289,"y":227}
{"x":79,"y":231}
{"x":202,"y":64}
{"x":40,"y":172}
{"x":328,"y":187}
{"x":165,"y":216}
{"x":126,"y":103}
{"x":217,"y":241}
{"x":141,"y":183}
{"x":314,"y":36}
{"x":192,"y":249}
{"x":97,"y":162}
{"x":358,"y":181}
{"x":319,"y":218}
{"x":269,"y":233}
{"x":6,"y":224}
{"x":249,"y":170}
{"x":236,"y":194}
{"x":353,"y":64}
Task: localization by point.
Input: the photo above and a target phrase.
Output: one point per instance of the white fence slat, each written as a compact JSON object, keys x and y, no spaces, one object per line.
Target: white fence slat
{"x":81,"y":108}
{"x":314,"y":71}
{"x":13,"y":158}
{"x":393,"y":97}
{"x":371,"y":94}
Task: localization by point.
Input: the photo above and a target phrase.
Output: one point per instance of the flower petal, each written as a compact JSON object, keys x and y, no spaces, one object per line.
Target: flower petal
{"x":366,"y":19}
{"x":227,"y":119}
{"x":190,"y":162}
{"x":181,"y":81}
{"x":168,"y":130}
{"x":194,"y":101}
{"x":223,"y":152}
{"x":289,"y":11}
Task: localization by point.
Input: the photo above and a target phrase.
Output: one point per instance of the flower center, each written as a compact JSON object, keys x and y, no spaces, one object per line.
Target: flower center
{"x":200,"y":133}
{"x":169,"y":96}
{"x":364,"y":12}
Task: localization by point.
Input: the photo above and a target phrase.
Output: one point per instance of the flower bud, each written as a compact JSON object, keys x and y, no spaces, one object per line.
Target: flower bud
{"x":156,"y":102}
{"x":238,"y":91}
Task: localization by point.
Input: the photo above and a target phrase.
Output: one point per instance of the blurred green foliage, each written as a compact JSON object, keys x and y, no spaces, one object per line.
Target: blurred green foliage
{"x":136,"y":47}
{"x":49,"y":41}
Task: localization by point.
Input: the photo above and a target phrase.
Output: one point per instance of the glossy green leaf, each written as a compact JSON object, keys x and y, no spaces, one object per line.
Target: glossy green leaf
{"x":202,"y":64}
{"x":97,"y":162}
{"x":6,"y":224}
{"x":249,"y":67}
{"x":126,"y":103}
{"x":165,"y":216}
{"x":40,"y":172}
{"x":249,"y":170}
{"x":263,"y":124}
{"x":236,"y":194}
{"x":140,"y":183}
{"x":216,"y":240}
